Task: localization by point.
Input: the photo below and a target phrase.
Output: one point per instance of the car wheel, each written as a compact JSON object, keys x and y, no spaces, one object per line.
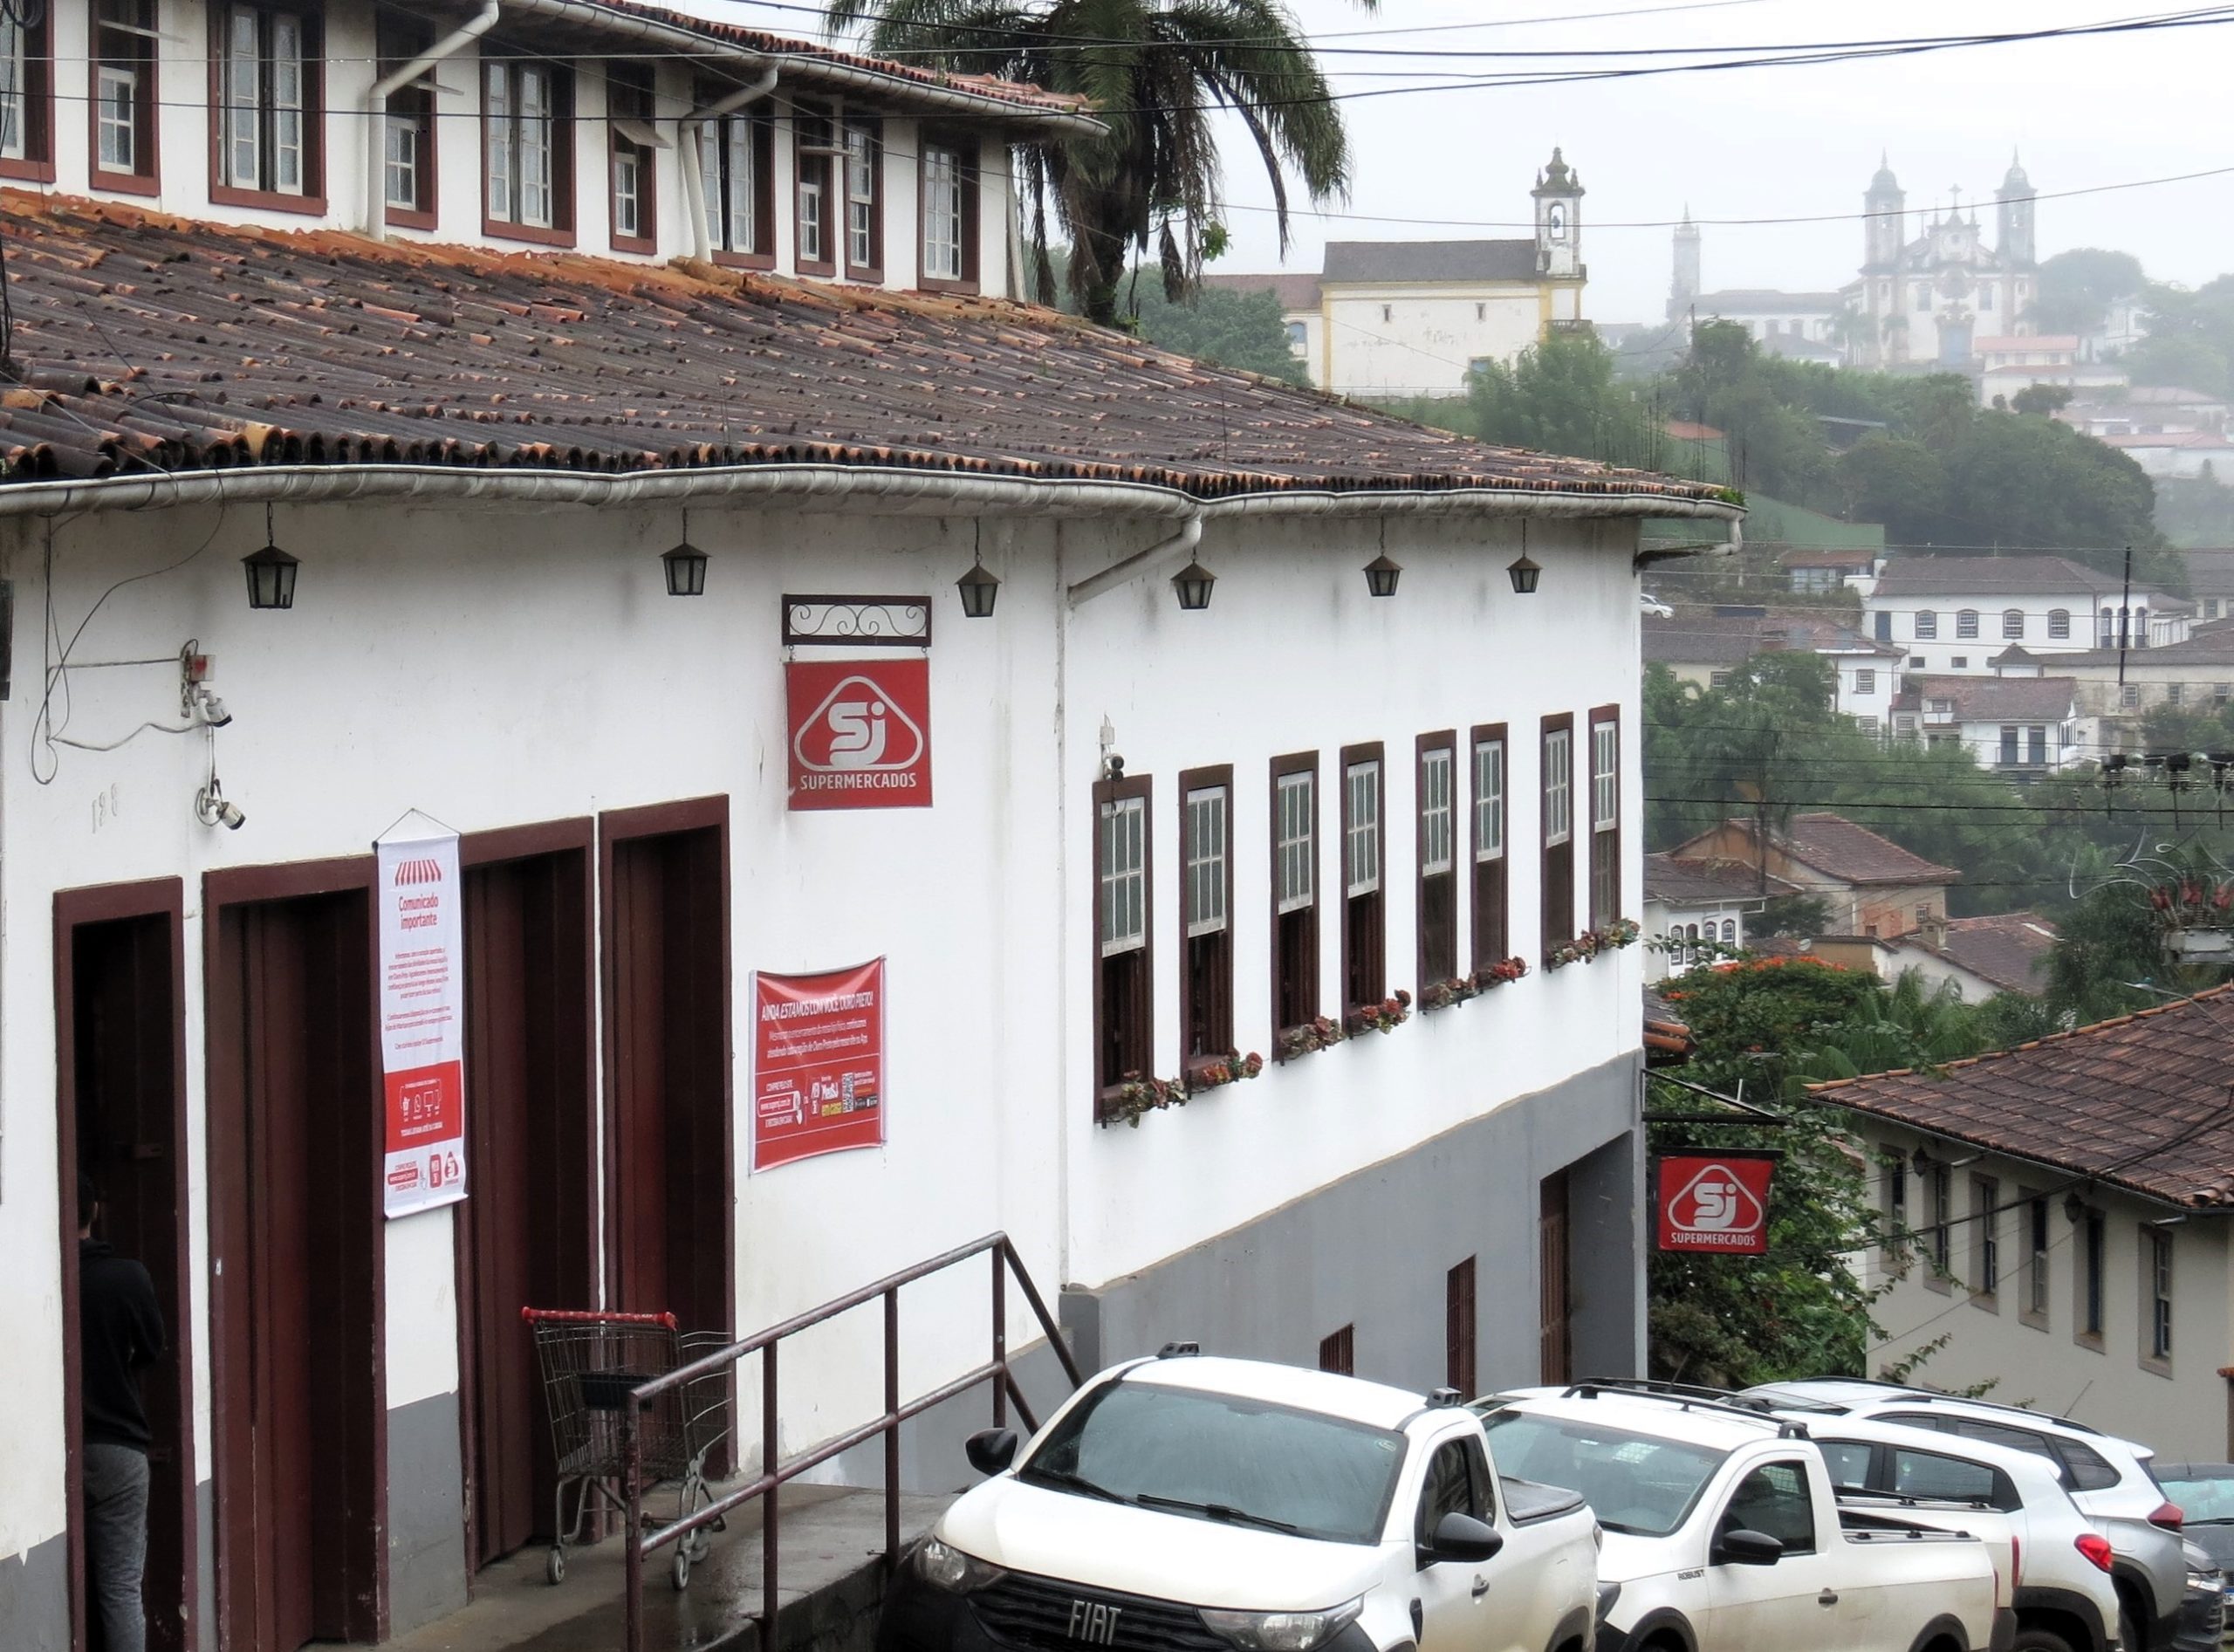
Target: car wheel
{"x":2131,"y":1636}
{"x":2040,"y":1641}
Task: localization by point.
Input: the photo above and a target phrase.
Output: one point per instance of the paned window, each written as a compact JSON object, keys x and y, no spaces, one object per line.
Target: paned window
{"x":1605,"y":817}
{"x":26,"y":95}
{"x":629,"y":109}
{"x":527,"y":113}
{"x":1364,"y":914}
{"x":1966,"y":624}
{"x":267,"y":116}
{"x":1295,"y":890}
{"x":1206,"y":914}
{"x":1865,"y":681}
{"x":1124,"y":964}
{"x":2175,"y":693}
{"x":814,"y":145}
{"x":2008,"y":746}
{"x":1894,"y":1240}
{"x":1491,"y":939}
{"x":735,"y":169}
{"x":2059,"y":624}
{"x":1558,"y":822}
{"x":864,"y":201}
{"x":124,"y":95}
{"x":2036,"y":1260}
{"x":1438,"y":851}
{"x":2012,"y":622}
{"x":2156,"y":1259}
{"x":2128,"y":695}
{"x":949,"y":212}
{"x":409,"y":127}
{"x":1985,"y":1236}
{"x":2036,"y":745}
{"x":1942,"y":1218}
{"x":1927,"y":626}
{"x":2091,"y":1281}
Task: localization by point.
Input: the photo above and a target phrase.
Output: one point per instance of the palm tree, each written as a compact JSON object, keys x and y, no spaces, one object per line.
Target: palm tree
{"x":1154,"y":70}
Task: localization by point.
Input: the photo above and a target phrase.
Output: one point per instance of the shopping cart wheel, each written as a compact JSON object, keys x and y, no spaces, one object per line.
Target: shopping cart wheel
{"x":554,"y":1566}
{"x":681,"y":1571}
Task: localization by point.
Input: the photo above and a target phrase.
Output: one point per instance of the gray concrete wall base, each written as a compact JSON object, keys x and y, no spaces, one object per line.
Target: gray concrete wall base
{"x":35,"y":1598}
{"x":425,"y":1513}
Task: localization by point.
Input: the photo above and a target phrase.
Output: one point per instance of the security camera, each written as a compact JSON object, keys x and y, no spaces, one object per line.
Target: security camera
{"x":1113,"y":767}
{"x":212,"y":807}
{"x":212,"y":710}
{"x":229,"y":816}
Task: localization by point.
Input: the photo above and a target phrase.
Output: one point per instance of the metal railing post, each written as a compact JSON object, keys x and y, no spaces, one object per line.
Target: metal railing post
{"x":769,"y":1520}
{"x":891,"y":1430}
{"x":632,"y":1458}
{"x":1000,"y":1338}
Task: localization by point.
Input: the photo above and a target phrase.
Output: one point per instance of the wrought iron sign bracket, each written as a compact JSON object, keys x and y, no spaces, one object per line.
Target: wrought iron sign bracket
{"x":856,"y":622}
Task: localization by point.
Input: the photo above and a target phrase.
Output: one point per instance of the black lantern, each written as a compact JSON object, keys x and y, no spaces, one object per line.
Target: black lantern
{"x":271,"y":578}
{"x":1524,"y":573}
{"x":1381,"y":575}
{"x":686,"y":570}
{"x":980,"y":589}
{"x":2073,"y":1207}
{"x":1922,"y":1163}
{"x":1193,"y":584}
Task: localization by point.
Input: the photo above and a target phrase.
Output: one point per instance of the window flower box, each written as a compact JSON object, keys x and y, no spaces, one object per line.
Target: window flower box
{"x":1622,"y":932}
{"x":1231,"y":1068}
{"x":1441,"y":995}
{"x":1497,"y":973}
{"x":1384,"y":1017}
{"x":1137,"y":1097}
{"x":1314,"y":1034}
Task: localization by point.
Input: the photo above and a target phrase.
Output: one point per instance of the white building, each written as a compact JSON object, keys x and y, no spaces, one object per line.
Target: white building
{"x":2062,"y":1227}
{"x":1955,"y":614}
{"x":1394,"y":318}
{"x":1154,"y":836}
{"x":1979,"y":957}
{"x":1926,"y":298}
{"x":2020,"y":726}
{"x":1692,"y":907}
{"x":1709,"y":646}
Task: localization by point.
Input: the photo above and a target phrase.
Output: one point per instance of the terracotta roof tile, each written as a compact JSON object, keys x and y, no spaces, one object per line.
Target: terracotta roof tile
{"x":1911,"y":576}
{"x":2009,"y":949}
{"x":1994,"y":699}
{"x":1691,"y":882}
{"x":156,"y":343}
{"x":2140,"y":1102}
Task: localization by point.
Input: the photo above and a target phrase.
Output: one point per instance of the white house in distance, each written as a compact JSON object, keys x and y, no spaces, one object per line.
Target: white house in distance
{"x":1392,"y":319}
{"x":1690,"y":904}
{"x":1870,"y":886}
{"x":1955,"y":614}
{"x":2020,"y":726}
{"x":2016,"y":362}
{"x":1709,"y":646}
{"x":1015,"y":557}
{"x":2062,"y":1226}
{"x":1998,"y":952}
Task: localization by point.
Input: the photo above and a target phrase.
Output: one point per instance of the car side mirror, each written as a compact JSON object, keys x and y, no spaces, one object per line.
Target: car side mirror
{"x":990,"y":1450}
{"x":1461,"y":1537}
{"x":1743,"y":1547}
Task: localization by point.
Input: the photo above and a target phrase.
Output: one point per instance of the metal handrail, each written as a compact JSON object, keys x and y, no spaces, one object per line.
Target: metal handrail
{"x":997,"y":1371}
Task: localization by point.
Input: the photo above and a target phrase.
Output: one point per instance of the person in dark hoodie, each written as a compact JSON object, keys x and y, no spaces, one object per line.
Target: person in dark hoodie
{"x":121,"y":1334}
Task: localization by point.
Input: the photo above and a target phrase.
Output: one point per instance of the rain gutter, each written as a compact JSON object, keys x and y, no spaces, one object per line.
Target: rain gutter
{"x":694,"y":192}
{"x":376,"y":113}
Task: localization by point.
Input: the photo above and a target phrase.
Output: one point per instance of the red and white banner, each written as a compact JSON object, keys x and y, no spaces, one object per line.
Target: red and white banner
{"x":861,"y":733}
{"x":422,"y":1016}
{"x":1714,"y":1203}
{"x":817,"y":1063}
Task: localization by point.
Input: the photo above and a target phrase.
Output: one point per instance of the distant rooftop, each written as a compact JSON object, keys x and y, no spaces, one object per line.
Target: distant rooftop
{"x":2002,"y":699}
{"x":1370,"y":261}
{"x":1296,"y":289}
{"x":1932,"y":576}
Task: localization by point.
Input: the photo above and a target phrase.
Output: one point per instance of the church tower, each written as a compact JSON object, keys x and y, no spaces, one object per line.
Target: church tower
{"x":1685,"y":288}
{"x":2014,"y":209}
{"x":1558,"y":219}
{"x":1881,"y":229}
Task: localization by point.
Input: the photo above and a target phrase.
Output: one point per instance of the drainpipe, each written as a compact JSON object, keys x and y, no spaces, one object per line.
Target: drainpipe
{"x":376,"y":113}
{"x":1179,"y":543}
{"x":694,"y":187}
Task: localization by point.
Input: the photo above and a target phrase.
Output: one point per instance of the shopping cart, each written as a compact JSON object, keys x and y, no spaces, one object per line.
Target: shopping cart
{"x":591,"y":1362}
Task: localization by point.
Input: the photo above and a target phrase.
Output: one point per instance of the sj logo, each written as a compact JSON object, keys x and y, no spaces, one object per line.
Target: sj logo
{"x":861,"y":733}
{"x":858,"y":726}
{"x":1715,"y":1202}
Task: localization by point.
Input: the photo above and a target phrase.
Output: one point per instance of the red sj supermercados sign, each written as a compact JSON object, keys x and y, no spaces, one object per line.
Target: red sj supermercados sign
{"x":1714,"y":1203}
{"x":861,"y":733}
{"x":817,"y":1063}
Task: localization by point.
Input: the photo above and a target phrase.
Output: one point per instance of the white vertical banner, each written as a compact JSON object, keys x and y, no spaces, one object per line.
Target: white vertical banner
{"x":423,"y":1014}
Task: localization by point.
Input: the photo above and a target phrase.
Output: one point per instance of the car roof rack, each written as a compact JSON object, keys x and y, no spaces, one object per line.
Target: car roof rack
{"x":1685,"y":1390}
{"x":1178,"y":1350}
{"x":1638,"y":1389}
{"x":1930,"y":1397}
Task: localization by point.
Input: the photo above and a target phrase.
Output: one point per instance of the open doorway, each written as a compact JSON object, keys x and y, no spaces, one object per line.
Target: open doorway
{"x":119,"y":1057}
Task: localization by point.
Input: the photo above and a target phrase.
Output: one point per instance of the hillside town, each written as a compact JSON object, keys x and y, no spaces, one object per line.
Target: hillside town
{"x":1395,"y":945}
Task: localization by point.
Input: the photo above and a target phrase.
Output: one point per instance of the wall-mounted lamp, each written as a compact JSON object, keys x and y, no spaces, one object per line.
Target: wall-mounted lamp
{"x":1524,"y":572}
{"x":1921,"y":1164}
{"x":2075,"y":1208}
{"x":1193,"y":584}
{"x":270,"y":572}
{"x":685,"y":566}
{"x":980,"y":589}
{"x":1381,"y":575}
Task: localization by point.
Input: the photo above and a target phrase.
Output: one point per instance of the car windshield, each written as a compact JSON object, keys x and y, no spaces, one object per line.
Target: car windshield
{"x":1217,"y":1456}
{"x":1636,"y":1482}
{"x":2209,"y":1496}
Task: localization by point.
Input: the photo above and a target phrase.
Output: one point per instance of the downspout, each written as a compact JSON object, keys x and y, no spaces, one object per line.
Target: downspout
{"x":694,"y":187}
{"x":1179,"y":543}
{"x":376,"y":113}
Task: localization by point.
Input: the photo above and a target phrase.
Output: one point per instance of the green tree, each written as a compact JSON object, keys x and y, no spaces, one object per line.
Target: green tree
{"x":2043,"y":398}
{"x":1217,"y":326}
{"x":1561,"y":397}
{"x":1157,"y":70}
{"x":2077,"y":288}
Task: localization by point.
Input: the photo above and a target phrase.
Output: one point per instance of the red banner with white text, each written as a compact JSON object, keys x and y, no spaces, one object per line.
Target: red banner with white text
{"x":817,"y":1063}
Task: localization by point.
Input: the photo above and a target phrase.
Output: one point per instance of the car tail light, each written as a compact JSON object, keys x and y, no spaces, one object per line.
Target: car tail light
{"x":2096,"y":1547}
{"x":2168,"y":1516}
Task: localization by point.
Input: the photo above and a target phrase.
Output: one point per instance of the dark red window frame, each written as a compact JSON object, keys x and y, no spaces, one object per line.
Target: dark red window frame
{"x":560,"y":231}
{"x":1558,"y":859}
{"x":35,"y":165}
{"x":1123,"y":986}
{"x":969,"y":157}
{"x":1604,"y":846}
{"x":1295,"y":935}
{"x":760,"y":129}
{"x":632,"y":84}
{"x":140,"y":49}
{"x":312,"y":201}
{"x":1491,"y":879}
{"x":1365,"y":917}
{"x":1437,"y":893}
{"x":813,"y":120}
{"x":874,"y":270}
{"x":1338,"y":1351}
{"x":1458,"y":1328}
{"x":1205,"y":961}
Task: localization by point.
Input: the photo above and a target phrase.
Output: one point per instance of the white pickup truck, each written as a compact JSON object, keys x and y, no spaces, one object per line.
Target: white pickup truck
{"x":1724,"y":1533}
{"x":1182,"y":1503}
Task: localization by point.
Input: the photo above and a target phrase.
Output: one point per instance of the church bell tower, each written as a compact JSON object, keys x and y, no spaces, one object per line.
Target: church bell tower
{"x":1881,"y":229}
{"x":1558,"y":219}
{"x":1684,"y":290}
{"x":2013,"y":239}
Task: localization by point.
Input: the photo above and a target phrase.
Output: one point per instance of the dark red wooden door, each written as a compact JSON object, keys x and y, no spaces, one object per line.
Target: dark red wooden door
{"x":1552,"y":1236}
{"x":294,"y":1274}
{"x":529,"y":1231}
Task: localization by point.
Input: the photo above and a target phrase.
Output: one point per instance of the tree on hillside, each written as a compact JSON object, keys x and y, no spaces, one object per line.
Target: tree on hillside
{"x":1215,"y":325}
{"x":2077,"y":288}
{"x":2043,"y":398}
{"x":1561,"y":397}
{"x":1156,"y":70}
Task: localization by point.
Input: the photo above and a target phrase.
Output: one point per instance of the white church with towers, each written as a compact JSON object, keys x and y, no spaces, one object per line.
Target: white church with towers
{"x":1932,"y":295}
{"x":1389,"y":319}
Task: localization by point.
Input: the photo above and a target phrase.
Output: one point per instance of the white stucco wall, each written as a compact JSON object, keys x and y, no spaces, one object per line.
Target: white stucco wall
{"x":1420,"y":338}
{"x":1937,"y":654}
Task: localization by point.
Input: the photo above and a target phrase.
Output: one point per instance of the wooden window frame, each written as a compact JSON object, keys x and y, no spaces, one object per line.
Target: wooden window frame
{"x":1893,"y":1235}
{"x":636,"y":85}
{"x":2091,"y":1279}
{"x":1927,"y":625}
{"x":36,"y":164}
{"x":310,"y":201}
{"x":802,"y":116}
{"x":1461,"y":1337}
{"x":560,"y":231}
{"x":1305,"y":923}
{"x":1966,"y":624}
{"x":1557,"y":860}
{"x":2032,"y":1306}
{"x":1490,"y":876}
{"x":1140,"y":787}
{"x":968,"y":155}
{"x":1365,"y":916}
{"x":872,"y":128}
{"x":760,"y":137}
{"x":146,"y":105}
{"x":1605,"y":840}
{"x":1431,"y":969}
{"x":2059,"y":625}
{"x":2012,"y":624}
{"x":412,"y":106}
{"x":2153,"y":1360}
{"x":1218,"y":956}
{"x":1937,"y":1187}
{"x":1985,"y":1244}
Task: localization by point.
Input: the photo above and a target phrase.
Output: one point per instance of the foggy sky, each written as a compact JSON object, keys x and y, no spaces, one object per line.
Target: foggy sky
{"x":1781,"y":141}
